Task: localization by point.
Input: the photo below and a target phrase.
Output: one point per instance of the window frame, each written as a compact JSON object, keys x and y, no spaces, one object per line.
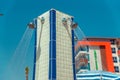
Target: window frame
{"x":115,"y":59}
{"x":116,"y":68}
{"x":113,"y":50}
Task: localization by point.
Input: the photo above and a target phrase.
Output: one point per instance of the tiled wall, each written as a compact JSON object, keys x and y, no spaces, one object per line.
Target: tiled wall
{"x":42,"y":64}
{"x":63,"y":49}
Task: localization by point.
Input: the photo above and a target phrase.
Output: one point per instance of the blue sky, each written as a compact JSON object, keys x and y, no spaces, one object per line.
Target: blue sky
{"x":97,"y":18}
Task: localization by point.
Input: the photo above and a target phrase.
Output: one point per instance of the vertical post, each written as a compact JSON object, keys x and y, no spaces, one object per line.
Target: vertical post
{"x":73,"y":54}
{"x":88,"y":62}
{"x":26,"y":72}
{"x":95,"y":56}
{"x":52,"y":46}
{"x":35,"y":45}
{"x":88,"y":57}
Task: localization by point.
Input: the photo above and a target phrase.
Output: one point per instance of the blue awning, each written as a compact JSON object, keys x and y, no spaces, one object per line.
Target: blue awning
{"x":97,"y":75}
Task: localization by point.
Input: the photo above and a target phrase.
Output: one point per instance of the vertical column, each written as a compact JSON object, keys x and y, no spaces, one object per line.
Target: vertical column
{"x":52,"y":45}
{"x":95,"y":56}
{"x":88,"y":58}
{"x":73,"y":55}
{"x":88,"y":62}
{"x":109,"y":61}
{"x":34,"y":65}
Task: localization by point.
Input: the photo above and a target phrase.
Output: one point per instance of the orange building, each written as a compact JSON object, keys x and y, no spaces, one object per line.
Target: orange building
{"x":98,"y":54}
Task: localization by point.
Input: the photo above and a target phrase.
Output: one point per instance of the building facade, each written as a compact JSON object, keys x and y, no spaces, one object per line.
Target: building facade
{"x":54,"y":51}
{"x":100,"y":54}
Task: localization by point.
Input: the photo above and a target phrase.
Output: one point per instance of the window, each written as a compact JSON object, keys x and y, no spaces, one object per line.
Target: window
{"x":118,"y":48}
{"x":88,"y":66}
{"x":87,"y":48}
{"x":112,"y":41}
{"x":113,"y":50}
{"x":84,"y":67}
{"x":116,"y":68}
{"x":82,"y":48}
{"x":115,"y":59}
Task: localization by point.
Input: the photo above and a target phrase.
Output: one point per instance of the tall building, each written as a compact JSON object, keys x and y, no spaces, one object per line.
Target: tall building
{"x":98,"y":54}
{"x":54,"y":51}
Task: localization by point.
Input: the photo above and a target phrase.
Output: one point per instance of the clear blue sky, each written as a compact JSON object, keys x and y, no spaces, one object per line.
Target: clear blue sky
{"x":99,"y":18}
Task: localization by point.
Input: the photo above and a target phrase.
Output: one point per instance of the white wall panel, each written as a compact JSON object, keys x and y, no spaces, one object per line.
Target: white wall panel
{"x":42,"y":64}
{"x":63,"y":48}
{"x":92,"y":58}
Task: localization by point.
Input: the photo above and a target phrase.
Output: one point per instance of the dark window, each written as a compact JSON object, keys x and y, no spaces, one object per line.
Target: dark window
{"x":84,"y":67}
{"x":113,"y":50}
{"x":83,"y":48}
{"x":88,"y":66}
{"x":118,"y":48}
{"x":116,"y":68}
{"x":112,"y":41}
{"x":87,"y":48}
{"x":115,"y":59}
